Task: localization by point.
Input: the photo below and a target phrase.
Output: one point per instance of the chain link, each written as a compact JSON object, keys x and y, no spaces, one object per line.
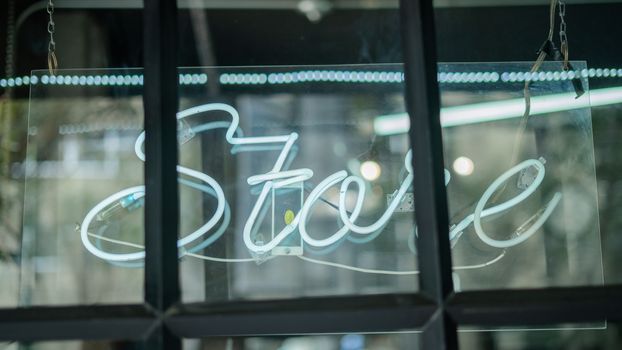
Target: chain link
{"x":563,"y":37}
{"x":52,"y":61}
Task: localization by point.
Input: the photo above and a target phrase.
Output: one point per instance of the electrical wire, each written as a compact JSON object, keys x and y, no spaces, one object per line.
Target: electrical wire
{"x":522,"y":127}
{"x":211,"y":258}
{"x":393,"y":272}
{"x":311,"y":260}
{"x":116,"y":241}
{"x":357,"y":269}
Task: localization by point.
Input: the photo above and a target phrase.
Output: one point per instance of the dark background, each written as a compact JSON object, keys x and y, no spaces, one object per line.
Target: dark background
{"x":113,"y":37}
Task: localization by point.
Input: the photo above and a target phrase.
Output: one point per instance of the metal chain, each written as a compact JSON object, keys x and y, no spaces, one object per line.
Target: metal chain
{"x":563,"y":38}
{"x":10,"y":40}
{"x":52,"y":61}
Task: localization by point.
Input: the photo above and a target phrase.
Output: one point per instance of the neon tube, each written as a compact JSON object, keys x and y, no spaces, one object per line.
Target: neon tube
{"x":477,"y":215}
{"x":280,"y":176}
{"x":507,"y":205}
{"x":505,"y":109}
{"x":310,"y":202}
{"x":136,"y":190}
{"x":386,"y":216}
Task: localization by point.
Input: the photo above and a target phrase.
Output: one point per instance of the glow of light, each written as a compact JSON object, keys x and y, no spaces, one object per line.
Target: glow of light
{"x":386,"y":216}
{"x":381,"y":77}
{"x":504,"y":109}
{"x":507,"y":205}
{"x":479,"y":209}
{"x":280,"y":176}
{"x":391,"y":124}
{"x":370,"y":170}
{"x":463,"y":166}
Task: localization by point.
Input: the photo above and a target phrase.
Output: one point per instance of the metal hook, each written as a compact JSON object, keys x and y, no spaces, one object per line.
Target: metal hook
{"x":52,"y":63}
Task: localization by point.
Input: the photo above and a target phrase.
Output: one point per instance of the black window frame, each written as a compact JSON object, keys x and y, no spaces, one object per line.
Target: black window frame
{"x":162,"y":321}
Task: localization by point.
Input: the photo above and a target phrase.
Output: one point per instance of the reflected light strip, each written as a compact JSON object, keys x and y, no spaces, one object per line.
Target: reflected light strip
{"x":505,"y":109}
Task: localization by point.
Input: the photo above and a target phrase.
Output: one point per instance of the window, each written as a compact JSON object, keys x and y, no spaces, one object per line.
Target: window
{"x":308,"y":174}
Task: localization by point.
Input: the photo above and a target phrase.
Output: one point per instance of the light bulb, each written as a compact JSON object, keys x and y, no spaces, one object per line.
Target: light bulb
{"x":370,"y":170}
{"x":463,"y":166}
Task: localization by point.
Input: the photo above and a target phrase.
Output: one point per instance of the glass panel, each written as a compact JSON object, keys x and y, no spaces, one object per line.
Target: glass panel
{"x":72,"y":147}
{"x":482,"y":102}
{"x":393,"y":341}
{"x":522,"y":195}
{"x":287,"y":190}
{"x":607,"y":123}
{"x":238,"y":239}
{"x":83,"y":192}
{"x":493,"y":32}
{"x":13,"y":113}
{"x":556,"y":337}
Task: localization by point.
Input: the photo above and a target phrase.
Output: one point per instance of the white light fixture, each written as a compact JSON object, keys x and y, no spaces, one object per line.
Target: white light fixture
{"x":504,"y":109}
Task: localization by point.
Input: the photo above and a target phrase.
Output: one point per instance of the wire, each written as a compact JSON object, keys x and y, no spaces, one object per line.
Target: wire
{"x":358,"y":269}
{"x":479,"y":266}
{"x":393,"y":272}
{"x":311,"y":260}
{"x":518,"y":138}
{"x":211,"y":258}
{"x":116,"y":241}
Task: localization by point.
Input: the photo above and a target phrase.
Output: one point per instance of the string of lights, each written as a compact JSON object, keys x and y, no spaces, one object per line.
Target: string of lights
{"x":378,"y":77}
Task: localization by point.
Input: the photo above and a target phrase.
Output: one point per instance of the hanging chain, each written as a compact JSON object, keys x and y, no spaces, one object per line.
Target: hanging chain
{"x":563,"y":38}
{"x":52,"y":61}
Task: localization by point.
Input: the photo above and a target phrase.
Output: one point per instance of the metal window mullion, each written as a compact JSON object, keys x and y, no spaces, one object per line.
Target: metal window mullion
{"x":105,"y":322}
{"x":160,"y":102}
{"x":336,"y":314}
{"x":537,"y":307}
{"x":423,"y":106}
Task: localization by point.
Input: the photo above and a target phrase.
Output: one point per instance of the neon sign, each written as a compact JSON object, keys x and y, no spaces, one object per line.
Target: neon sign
{"x":280,"y":176}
